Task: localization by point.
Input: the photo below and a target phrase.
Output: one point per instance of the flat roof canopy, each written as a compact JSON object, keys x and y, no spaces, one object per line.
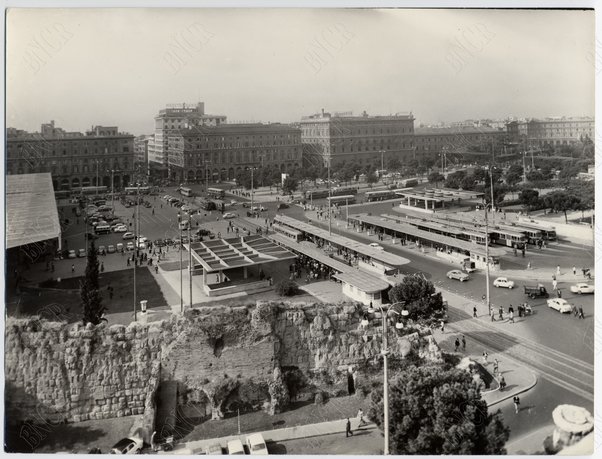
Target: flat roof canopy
{"x":360,"y":280}
{"x":221,"y":254}
{"x":31,"y":212}
{"x":410,"y":230}
{"x":362,"y":248}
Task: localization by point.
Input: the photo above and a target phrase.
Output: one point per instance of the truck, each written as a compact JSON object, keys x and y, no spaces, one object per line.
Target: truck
{"x":538,"y":291}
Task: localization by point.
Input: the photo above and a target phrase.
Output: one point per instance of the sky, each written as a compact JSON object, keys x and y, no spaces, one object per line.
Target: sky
{"x":119,"y":67}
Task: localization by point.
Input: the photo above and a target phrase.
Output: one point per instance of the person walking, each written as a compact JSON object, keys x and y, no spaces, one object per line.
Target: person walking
{"x":558,"y":270}
{"x":495,"y":367}
{"x":492,"y":312}
{"x":156,"y":269}
{"x":360,"y":417}
{"x":72,"y":269}
{"x":442,"y":327}
{"x":102,"y":267}
{"x":581,"y":315}
{"x":559,"y":293}
{"x":348,"y":431}
{"x":463,"y":343}
{"x":457,"y":344}
{"x":474,"y":312}
{"x":511,"y":319}
{"x":501,"y":311}
{"x":516,"y":401}
{"x":554,"y":284}
{"x":502,"y":383}
{"x":485,"y":357}
{"x":574,"y":271}
{"x":529,"y":265}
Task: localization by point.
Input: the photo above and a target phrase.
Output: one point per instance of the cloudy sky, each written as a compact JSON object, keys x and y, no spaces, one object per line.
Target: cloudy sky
{"x":119,"y":67}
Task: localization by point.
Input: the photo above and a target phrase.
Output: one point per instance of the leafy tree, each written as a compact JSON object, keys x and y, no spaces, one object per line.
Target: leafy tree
{"x":371,"y":178}
{"x":287,"y":287}
{"x":419,"y":296}
{"x":435,"y":177}
{"x":243,"y":178}
{"x":289,"y":186}
{"x":394,"y":165}
{"x":535,"y":176}
{"x":439,"y":411}
{"x":514,"y":174}
{"x":468,"y":183}
{"x":529,"y":198}
{"x":561,"y":201}
{"x":454,"y":180}
{"x":92,"y":307}
{"x":569,"y":172}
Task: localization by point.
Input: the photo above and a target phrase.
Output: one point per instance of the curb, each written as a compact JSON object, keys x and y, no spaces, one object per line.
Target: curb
{"x":517,"y":391}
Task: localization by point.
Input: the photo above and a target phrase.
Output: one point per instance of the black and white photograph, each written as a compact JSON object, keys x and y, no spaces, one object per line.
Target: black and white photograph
{"x":324,"y":229}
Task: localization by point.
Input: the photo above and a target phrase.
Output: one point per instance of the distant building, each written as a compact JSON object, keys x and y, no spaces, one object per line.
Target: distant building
{"x":171,"y":120}
{"x":221,"y":151}
{"x":430,"y":140}
{"x":141,"y":144}
{"x":333,"y":139}
{"x":73,"y":159}
{"x":552,"y":132}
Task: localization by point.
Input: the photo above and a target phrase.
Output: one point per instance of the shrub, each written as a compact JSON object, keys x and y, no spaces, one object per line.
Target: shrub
{"x":287,"y":288}
{"x":320,"y":398}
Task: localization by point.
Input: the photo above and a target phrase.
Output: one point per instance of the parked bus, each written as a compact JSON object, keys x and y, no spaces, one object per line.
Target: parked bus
{"x":339,"y":200}
{"x":186,"y":191}
{"x":316,"y":194}
{"x":216,"y":193}
{"x":297,"y":236}
{"x":372,"y":196}
{"x":136,"y":190}
{"x":548,"y":233}
{"x":342,"y":191}
{"x":508,"y":238}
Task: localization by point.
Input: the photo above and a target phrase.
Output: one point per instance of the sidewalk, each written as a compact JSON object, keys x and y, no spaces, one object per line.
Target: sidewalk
{"x":277,"y":435}
{"x":530,"y":443}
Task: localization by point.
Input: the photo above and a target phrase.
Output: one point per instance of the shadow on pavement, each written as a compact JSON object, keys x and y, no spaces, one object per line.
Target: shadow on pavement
{"x":276,"y":448}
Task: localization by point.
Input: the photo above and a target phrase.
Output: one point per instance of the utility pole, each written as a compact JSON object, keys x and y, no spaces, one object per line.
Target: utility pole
{"x":487,"y":262}
{"x":190,"y":256}
{"x":524,"y":168}
{"x":112,"y":191}
{"x":382,"y":162}
{"x":251,"y":188}
{"x":97,"y":185}
{"x":385,"y":353}
{"x":136,"y":236}
{"x":180,"y":249}
{"x":329,"y":201}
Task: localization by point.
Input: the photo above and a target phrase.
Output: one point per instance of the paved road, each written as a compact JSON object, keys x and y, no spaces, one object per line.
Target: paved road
{"x":367,"y":442}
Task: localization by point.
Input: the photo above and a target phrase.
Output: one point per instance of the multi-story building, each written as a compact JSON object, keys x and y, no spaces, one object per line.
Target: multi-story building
{"x":334,"y":139}
{"x":141,"y":144}
{"x":74,"y":159}
{"x":553,"y":132}
{"x":456,"y":139}
{"x":170,"y":121}
{"x":221,"y":152}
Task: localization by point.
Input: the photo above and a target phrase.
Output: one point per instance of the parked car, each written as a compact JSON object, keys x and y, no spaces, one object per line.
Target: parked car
{"x":457,"y":274}
{"x":71,"y":254}
{"x":81,"y":253}
{"x":128,"y":235}
{"x":120,"y":228}
{"x":130,"y":246}
{"x":256,"y":444}
{"x":503,"y":282}
{"x":235,"y":447}
{"x":102,"y":250}
{"x":582,"y":287}
{"x":214,"y":449}
{"x":560,"y":304}
{"x":229,"y":215}
{"x":111,"y":249}
{"x":127,"y":446}
{"x":376,"y":246}
{"x":119,"y":247}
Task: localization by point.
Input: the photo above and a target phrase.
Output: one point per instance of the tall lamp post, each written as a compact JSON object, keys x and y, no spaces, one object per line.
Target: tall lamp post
{"x":385,"y":353}
{"x":329,"y":201}
{"x":181,"y":226}
{"x":112,"y":189}
{"x":190,"y":256}
{"x":136,"y":242}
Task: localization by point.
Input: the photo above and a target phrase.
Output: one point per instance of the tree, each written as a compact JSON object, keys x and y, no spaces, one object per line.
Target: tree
{"x":394,"y":165}
{"x":561,"y":201}
{"x":535,"y":176}
{"x":439,"y":411}
{"x":514,"y":174}
{"x":371,"y":178}
{"x":92,"y":307}
{"x":529,"y":198}
{"x":435,"y":177}
{"x":289,"y":186}
{"x":454,"y":180}
{"x":419,"y":296}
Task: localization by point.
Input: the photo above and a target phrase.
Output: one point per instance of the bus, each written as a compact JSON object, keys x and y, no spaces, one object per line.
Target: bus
{"x":548,"y":233}
{"x":186,"y":191}
{"x":205,"y":204}
{"x":136,"y":190}
{"x":90,"y":190}
{"x":372,"y":196}
{"x":316,"y":194}
{"x":342,"y":191}
{"x":216,"y":193}
{"x":337,"y":200}
{"x":508,"y":238}
{"x":297,"y":236}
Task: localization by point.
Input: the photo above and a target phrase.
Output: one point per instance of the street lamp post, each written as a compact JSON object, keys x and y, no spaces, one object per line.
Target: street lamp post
{"x":329,"y":201}
{"x":136,"y":236}
{"x":190,"y":257}
{"x":252,"y":189}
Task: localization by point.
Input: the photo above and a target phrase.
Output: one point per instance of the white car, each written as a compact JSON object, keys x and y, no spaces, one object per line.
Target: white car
{"x":128,"y":446}
{"x":582,"y":287}
{"x":120,"y":229}
{"x":214,"y":450}
{"x":376,"y":246}
{"x":256,"y":444}
{"x":258,"y":208}
{"x":503,"y":282}
{"x":71,"y":254}
{"x":229,"y":215}
{"x":128,"y":235}
{"x":457,"y":274}
{"x":560,"y":304}
{"x":235,"y":447}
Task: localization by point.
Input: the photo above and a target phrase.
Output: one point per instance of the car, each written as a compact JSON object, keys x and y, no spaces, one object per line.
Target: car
{"x":81,"y":253}
{"x":214,"y":449}
{"x":142,"y":245}
{"x":235,"y":447}
{"x":159,"y":243}
{"x":582,"y":287}
{"x":128,"y":235}
{"x":91,"y":236}
{"x":229,"y":215}
{"x":142,"y":239}
{"x":503,"y":282}
{"x":560,"y":304}
{"x":457,"y":274}
{"x":119,"y":247}
{"x":376,"y":246}
{"x":256,"y":444}
{"x":71,"y":254}
{"x":102,"y":250}
{"x":258,"y":208}
{"x":130,"y":246}
{"x":111,"y":249}
{"x":120,"y":229}
{"x":128,"y":446}
{"x":147,"y":204}
{"x":246,"y":205}
{"x":185,"y":208}
{"x":282,"y":205}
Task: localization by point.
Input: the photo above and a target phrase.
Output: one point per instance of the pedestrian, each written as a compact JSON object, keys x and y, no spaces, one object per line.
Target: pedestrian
{"x":492,"y":312}
{"x":102,"y":267}
{"x":553,"y":277}
{"x":516,"y":401}
{"x":554,"y":284}
{"x":575,"y":311}
{"x":156,"y":269}
{"x":502,"y":383}
{"x":495,"y":367}
{"x":529,"y":265}
{"x":153,"y":211}
{"x":574,"y":271}
{"x":463,"y":343}
{"x":511,"y":319}
{"x":457,"y":343}
{"x":348,"y":429}
{"x":558,"y":270}
{"x":581,"y":315}
{"x":72,"y":269}
{"x":501,"y":311}
{"x":559,"y":293}
{"x":474,"y":311}
{"x":128,"y":261}
{"x":442,"y":327}
{"x":360,"y":417}
{"x":485,"y":356}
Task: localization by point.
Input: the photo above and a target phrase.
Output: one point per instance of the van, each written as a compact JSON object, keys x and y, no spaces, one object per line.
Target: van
{"x":102,"y":229}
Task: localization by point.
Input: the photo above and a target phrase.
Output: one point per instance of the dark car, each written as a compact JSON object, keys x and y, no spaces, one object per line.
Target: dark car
{"x":168,"y":241}
{"x":282,"y":205}
{"x":92,"y":236}
{"x":246,"y":205}
{"x":147,"y":204}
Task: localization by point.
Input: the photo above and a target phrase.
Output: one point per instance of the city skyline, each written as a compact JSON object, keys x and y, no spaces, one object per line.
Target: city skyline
{"x":304,"y":61}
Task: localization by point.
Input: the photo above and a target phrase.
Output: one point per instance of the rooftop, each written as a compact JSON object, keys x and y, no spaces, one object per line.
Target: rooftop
{"x":450,"y":130}
{"x":31,"y":212}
